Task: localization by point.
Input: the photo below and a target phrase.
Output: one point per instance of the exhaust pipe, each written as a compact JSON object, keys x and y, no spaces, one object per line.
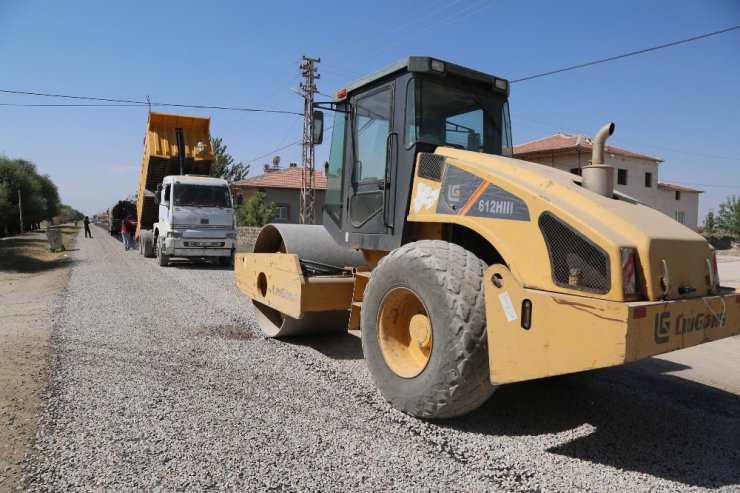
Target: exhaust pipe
{"x":597,"y":176}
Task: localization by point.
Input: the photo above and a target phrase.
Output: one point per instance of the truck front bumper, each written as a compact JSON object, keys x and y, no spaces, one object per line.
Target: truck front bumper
{"x":534,"y":334}
{"x":199,"y":247}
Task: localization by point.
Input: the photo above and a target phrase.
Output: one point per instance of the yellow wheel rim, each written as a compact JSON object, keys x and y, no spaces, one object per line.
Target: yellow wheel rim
{"x":404,"y":332}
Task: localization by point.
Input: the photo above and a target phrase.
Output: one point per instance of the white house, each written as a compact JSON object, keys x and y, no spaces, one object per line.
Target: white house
{"x":637,"y":174}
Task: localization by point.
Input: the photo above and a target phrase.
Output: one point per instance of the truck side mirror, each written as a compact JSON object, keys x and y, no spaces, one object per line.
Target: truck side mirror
{"x":318,"y":127}
{"x":158,"y":194}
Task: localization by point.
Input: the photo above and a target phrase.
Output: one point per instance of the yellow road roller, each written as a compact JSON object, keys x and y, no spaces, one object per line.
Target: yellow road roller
{"x":464,"y":268}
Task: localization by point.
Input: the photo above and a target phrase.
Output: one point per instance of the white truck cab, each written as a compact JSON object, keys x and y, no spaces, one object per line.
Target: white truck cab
{"x":196,"y":219}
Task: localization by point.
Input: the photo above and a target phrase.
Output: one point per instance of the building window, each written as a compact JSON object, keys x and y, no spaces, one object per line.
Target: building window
{"x":282,"y":213}
{"x":680,"y":216}
{"x":648,"y":180}
{"x":678,"y":195}
{"x":621,"y":176}
{"x":576,"y":171}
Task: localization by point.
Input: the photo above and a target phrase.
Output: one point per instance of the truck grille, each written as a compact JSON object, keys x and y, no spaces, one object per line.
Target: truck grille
{"x":575,"y":261}
{"x":203,"y":244}
{"x":201,"y":226}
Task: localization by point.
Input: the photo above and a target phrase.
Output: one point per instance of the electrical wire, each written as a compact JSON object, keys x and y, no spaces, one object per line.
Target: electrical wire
{"x":274,"y":151}
{"x":238,"y":119}
{"x":73,"y":105}
{"x":297,"y":142}
{"x":403,"y":24}
{"x":146,"y":103}
{"x":625,"y":55}
{"x":457,"y":16}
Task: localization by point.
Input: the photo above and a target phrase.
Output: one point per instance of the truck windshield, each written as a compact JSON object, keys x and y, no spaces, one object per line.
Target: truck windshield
{"x":201,"y":195}
{"x":457,"y":115}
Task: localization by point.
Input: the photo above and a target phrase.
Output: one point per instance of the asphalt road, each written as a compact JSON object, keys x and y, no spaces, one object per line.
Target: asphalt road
{"x":161,"y":381}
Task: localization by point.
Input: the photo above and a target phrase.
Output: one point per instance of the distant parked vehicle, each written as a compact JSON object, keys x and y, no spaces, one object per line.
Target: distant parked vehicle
{"x":118,"y":213}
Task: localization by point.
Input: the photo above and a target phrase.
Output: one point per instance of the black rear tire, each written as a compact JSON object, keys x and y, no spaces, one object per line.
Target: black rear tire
{"x":162,"y":259}
{"x":448,"y":282}
{"x":146,"y":243}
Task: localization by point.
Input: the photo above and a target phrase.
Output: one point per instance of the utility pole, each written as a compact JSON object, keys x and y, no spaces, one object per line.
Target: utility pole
{"x":20,"y":209}
{"x":308,"y":185}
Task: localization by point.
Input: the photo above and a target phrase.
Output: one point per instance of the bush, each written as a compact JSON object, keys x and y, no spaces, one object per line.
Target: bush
{"x":255,"y":212}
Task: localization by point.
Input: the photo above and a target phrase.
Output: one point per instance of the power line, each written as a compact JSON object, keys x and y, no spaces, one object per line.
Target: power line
{"x":134,"y":102}
{"x":457,"y":16}
{"x":625,"y":55}
{"x":402,"y":24}
{"x":297,"y":142}
{"x":74,"y":105}
{"x":238,"y":119}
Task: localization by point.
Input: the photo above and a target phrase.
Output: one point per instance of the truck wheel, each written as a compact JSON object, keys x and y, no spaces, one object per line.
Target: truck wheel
{"x":424,"y":330}
{"x":163,"y":259}
{"x":146,"y":243}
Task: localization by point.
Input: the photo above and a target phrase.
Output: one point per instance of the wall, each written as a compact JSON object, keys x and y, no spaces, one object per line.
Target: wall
{"x":247,"y":236}
{"x":665,"y":201}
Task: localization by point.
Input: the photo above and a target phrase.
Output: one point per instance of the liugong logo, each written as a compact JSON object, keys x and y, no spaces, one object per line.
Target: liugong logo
{"x":684,"y":324}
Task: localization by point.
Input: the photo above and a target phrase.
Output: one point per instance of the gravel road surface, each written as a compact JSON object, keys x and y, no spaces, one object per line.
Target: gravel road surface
{"x":161,"y":381}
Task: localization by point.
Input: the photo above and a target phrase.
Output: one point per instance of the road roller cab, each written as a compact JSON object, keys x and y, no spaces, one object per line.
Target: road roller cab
{"x":464,"y":268}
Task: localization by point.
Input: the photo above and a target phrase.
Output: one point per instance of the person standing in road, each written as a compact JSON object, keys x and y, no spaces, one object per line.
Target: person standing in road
{"x":87,"y":227}
{"x":126,"y":230}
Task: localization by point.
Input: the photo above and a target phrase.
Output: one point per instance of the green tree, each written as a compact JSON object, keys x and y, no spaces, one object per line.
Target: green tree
{"x":19,"y":178}
{"x":20,"y":175}
{"x":255,"y":212}
{"x":709,"y":223}
{"x":67,"y":214}
{"x":728,"y":217}
{"x":224,"y":165}
{"x":51,"y":193}
{"x":5,"y":206}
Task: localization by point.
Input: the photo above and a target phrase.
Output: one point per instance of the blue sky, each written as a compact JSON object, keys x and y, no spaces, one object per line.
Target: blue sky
{"x":679,"y":103}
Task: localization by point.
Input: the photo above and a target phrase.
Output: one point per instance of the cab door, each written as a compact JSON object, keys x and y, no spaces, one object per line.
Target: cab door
{"x":373,"y":142}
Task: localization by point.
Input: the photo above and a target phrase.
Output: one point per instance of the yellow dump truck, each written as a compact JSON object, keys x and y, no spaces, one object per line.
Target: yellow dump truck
{"x":464,"y":268}
{"x":182,"y":212}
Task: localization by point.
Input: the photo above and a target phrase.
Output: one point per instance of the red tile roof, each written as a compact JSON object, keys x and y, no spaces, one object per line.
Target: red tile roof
{"x":282,"y":178}
{"x":677,"y":188}
{"x":567,"y":144}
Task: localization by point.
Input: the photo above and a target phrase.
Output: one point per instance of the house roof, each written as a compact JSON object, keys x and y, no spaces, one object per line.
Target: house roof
{"x":678,"y":188}
{"x":282,"y":178}
{"x":567,"y":144}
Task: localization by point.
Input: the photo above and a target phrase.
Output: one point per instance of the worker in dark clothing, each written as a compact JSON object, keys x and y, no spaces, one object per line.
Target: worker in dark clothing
{"x":87,"y":227}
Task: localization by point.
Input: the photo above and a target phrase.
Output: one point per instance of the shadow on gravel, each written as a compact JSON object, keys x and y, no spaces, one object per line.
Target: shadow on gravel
{"x":198,"y":264}
{"x":230,"y":332}
{"x":340,"y":346}
{"x":30,"y":255}
{"x":660,"y":425}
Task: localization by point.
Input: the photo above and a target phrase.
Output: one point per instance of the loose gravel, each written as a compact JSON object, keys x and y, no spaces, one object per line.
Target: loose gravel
{"x":161,"y":381}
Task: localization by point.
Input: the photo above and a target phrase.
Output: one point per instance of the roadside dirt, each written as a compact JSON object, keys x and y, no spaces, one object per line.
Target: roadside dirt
{"x":31,"y":277}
